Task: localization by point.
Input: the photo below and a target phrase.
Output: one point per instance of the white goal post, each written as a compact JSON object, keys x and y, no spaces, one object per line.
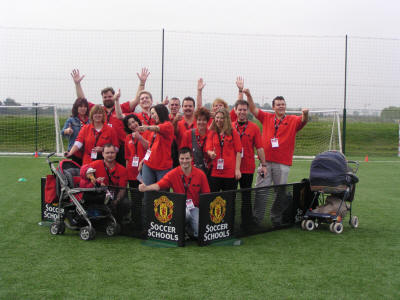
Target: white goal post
{"x":30,"y":129}
{"x":321,"y":133}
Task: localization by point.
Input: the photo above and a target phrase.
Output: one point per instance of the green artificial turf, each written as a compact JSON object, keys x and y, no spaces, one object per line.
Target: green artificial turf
{"x":360,"y":263}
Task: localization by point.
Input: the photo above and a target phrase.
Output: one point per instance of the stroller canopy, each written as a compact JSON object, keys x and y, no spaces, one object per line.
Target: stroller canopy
{"x":329,"y":169}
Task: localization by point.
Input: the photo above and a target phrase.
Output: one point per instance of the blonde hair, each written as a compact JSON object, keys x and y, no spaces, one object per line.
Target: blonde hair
{"x":97,"y":109}
{"x":227,"y":128}
{"x":219,"y":100}
{"x":145,"y":92}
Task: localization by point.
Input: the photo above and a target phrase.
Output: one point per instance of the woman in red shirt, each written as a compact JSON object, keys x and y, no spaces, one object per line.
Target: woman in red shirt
{"x":195,"y":139}
{"x":224,"y":148}
{"x":94,"y":136}
{"x":135,"y":148}
{"x":157,"y":160}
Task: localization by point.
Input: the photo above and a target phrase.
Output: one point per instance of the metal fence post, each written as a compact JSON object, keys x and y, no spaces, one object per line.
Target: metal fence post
{"x":345,"y":97}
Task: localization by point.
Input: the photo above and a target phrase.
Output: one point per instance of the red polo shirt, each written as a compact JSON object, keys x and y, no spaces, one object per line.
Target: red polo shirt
{"x":133,"y":148}
{"x":231,"y":146}
{"x":145,"y":118}
{"x":114,"y":122}
{"x":91,"y":138}
{"x":286,"y":135}
{"x":118,"y":174}
{"x":182,"y":126}
{"x":250,"y":137}
{"x":160,"y":146}
{"x":196,"y":183}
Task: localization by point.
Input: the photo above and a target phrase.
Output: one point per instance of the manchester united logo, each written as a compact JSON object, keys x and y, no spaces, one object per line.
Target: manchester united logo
{"x":217,"y":210}
{"x":163,"y":209}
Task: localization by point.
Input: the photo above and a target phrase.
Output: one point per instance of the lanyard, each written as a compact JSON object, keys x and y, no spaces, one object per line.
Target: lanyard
{"x":238,"y":130}
{"x":109,"y":115}
{"x":186,"y":186}
{"x":108,"y":174}
{"x":199,"y":141}
{"x":152,"y":141}
{"x":147,"y":120}
{"x":96,"y":136}
{"x":188,"y":126}
{"x":83,"y":122}
{"x":277,"y":125}
{"x":221,"y":142}
{"x":135,"y":144}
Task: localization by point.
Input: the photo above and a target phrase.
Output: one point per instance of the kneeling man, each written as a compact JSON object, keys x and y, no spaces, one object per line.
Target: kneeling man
{"x":184,"y":179}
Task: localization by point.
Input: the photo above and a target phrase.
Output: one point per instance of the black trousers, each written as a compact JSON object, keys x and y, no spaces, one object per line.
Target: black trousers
{"x":222,"y":184}
{"x":245,"y":182}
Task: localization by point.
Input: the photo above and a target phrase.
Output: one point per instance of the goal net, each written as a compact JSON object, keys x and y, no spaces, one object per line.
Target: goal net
{"x":29,"y":130}
{"x":321,"y":133}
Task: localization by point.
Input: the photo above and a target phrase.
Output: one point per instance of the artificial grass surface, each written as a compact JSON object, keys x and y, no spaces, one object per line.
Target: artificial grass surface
{"x":285,"y":264}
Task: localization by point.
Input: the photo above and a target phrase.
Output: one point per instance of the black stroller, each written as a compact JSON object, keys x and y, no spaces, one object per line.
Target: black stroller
{"x":74,"y":212}
{"x":333,"y":183}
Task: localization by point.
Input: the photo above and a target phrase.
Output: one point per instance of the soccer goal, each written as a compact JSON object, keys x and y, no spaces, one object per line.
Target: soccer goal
{"x":321,"y":133}
{"x":29,"y":130}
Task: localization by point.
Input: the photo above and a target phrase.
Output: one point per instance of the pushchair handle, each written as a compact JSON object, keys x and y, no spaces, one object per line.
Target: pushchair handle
{"x":356,"y":163}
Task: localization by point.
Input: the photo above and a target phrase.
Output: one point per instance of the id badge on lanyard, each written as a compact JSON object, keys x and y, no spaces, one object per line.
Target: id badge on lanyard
{"x":220,"y":164}
{"x":274,"y":143}
{"x":93,"y":154}
{"x":135,"y":161}
{"x":109,"y":124}
{"x":242,"y":154}
{"x":147,"y":156}
{"x":189,"y":204}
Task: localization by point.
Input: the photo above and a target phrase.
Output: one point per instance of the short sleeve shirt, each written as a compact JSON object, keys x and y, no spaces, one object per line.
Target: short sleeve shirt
{"x":196,"y":183}
{"x":115,"y":177}
{"x":160,"y":147}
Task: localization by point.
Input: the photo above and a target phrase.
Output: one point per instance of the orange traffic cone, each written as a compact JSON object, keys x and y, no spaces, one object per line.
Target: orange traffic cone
{"x":36,"y":154}
{"x":366,"y":158}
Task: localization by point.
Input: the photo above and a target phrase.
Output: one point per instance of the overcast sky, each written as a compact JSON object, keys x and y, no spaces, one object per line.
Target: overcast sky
{"x":371,"y":18}
{"x":309,"y":71}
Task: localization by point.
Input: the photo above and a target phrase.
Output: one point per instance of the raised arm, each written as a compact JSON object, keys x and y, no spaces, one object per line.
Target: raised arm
{"x":142,"y":83}
{"x":240,"y":85}
{"x":117,"y":106}
{"x":77,"y":80}
{"x":304,"y":116}
{"x":199,"y":98}
{"x":254,"y":110}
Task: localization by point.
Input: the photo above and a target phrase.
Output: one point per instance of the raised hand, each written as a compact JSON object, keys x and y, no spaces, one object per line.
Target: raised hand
{"x":76,"y":76}
{"x":143,"y":75}
{"x":200,"y":84}
{"x":240,"y":83}
{"x":117,"y":95}
{"x":166,"y":101}
{"x":247,"y":92}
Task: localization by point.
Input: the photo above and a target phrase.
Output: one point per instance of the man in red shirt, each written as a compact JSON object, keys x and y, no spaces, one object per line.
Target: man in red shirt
{"x":278,"y":138}
{"x":108,"y":172}
{"x":250,"y":138}
{"x":187,"y":180}
{"x":107,"y":95}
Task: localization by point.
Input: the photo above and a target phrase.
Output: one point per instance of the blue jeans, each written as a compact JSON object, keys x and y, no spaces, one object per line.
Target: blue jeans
{"x":150,"y":176}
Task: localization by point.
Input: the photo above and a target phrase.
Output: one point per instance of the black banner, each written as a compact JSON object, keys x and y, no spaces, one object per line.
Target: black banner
{"x":49,"y":210}
{"x":216,"y":217}
{"x":165,"y":217}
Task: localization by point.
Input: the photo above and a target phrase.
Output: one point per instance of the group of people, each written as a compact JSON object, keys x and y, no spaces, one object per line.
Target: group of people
{"x":156,"y":147}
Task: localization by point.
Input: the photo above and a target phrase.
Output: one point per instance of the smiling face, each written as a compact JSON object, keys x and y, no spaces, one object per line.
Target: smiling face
{"x":154,"y":115}
{"x":241,"y":112}
{"x":98,"y":118}
{"x":145,"y":101}
{"x":202,"y":123}
{"x":174,"y":106}
{"x":133,"y":124}
{"x":82,"y":110}
{"x":185,"y":160}
{"x":217,"y":106}
{"x":219,"y":120}
{"x":109,"y":154}
{"x":108,"y":99}
{"x":188,"y":108}
{"x":279,"y":107}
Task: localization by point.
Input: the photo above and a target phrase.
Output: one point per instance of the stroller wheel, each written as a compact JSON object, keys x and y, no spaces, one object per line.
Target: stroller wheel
{"x":87,"y":233}
{"x":303,"y":224}
{"x":57,"y":228}
{"x":338,"y":228}
{"x":354,"y":221}
{"x":112,"y":229}
{"x":310,"y":225}
{"x":331,"y":226}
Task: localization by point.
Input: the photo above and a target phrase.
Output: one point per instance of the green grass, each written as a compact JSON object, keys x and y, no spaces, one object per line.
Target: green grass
{"x":286,"y":264}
